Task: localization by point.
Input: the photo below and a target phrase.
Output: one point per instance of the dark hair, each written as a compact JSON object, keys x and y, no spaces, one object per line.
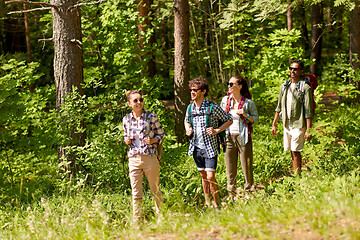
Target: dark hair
{"x":301,"y":64}
{"x":131,"y":92}
{"x":201,"y":83}
{"x":245,"y":88}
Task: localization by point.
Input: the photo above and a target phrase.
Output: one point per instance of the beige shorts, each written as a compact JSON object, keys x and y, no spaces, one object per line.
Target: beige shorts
{"x":294,"y":138}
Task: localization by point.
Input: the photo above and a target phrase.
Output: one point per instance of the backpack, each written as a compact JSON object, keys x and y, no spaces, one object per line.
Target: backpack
{"x":159,"y":146}
{"x":221,"y":135}
{"x":311,"y":81}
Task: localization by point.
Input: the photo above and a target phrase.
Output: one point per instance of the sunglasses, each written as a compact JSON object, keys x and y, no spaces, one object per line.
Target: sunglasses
{"x":230,"y":84}
{"x":138,"y":100}
{"x":194,"y":89}
{"x":295,"y":69}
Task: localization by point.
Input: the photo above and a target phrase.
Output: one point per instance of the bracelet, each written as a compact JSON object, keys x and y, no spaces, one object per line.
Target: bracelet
{"x":248,"y":117}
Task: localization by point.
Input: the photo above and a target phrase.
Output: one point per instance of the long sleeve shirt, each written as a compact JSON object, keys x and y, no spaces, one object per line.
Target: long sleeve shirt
{"x":151,"y":128}
{"x":301,"y":104}
{"x":250,"y":108}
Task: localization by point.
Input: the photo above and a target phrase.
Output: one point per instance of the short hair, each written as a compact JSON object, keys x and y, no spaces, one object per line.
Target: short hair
{"x":201,"y":83}
{"x":301,"y":64}
{"x":131,"y":92}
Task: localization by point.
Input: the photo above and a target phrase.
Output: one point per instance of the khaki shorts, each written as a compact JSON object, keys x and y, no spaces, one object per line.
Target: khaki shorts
{"x":294,"y":138}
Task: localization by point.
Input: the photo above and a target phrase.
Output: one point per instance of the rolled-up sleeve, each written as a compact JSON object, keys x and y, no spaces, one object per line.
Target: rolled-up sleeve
{"x":308,"y":103}
{"x":125,"y":122}
{"x":253,"y":111}
{"x":278,"y":107}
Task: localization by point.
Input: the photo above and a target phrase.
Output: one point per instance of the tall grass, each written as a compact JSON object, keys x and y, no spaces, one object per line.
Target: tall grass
{"x":324,"y":202}
{"x":295,"y":207}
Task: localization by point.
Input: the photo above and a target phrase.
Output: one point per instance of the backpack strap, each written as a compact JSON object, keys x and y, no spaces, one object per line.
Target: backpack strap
{"x":208,"y":115}
{"x":285,"y":85}
{"x":228,"y":103}
{"x":190,"y":115}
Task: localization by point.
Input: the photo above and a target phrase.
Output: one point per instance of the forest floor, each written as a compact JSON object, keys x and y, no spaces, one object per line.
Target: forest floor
{"x":328,"y":99}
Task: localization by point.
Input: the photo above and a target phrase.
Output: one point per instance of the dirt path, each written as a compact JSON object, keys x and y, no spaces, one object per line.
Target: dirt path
{"x":330,"y":100}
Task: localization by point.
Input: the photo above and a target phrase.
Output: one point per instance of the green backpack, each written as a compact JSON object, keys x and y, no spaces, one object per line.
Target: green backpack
{"x":191,"y":115}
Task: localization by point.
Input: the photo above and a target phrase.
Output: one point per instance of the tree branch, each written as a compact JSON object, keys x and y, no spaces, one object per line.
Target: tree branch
{"x":31,"y":3}
{"x":30,"y":10}
{"x":45,"y":40}
{"x":87,"y":4}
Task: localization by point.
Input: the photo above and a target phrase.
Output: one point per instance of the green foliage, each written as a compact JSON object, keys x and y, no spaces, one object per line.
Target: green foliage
{"x":26,"y":134}
{"x":342,"y":77}
{"x":335,"y":147}
{"x":228,"y":37}
{"x":271,"y":66}
{"x":269,"y":9}
{"x":348,"y":4}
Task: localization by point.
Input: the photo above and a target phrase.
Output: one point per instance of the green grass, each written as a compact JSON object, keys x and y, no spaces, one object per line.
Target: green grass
{"x":297,"y":207}
{"x":324,"y":203}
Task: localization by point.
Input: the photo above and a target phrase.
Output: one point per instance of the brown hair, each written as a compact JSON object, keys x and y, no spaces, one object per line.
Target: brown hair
{"x":201,"y":83}
{"x":245,"y":88}
{"x":131,"y":92}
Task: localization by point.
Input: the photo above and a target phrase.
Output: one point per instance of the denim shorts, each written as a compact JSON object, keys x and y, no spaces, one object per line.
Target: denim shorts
{"x":203,"y":163}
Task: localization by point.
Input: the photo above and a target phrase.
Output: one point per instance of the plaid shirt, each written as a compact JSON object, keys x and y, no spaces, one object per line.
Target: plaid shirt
{"x":210,"y":141}
{"x":156,"y":131}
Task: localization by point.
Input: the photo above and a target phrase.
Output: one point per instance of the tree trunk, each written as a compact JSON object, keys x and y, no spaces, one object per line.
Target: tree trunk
{"x":68,"y":68}
{"x":289,"y":17}
{"x":289,"y":22}
{"x":355,"y":37}
{"x":27,"y":35}
{"x":165,"y":47}
{"x":316,"y":37}
{"x":181,"y":71}
{"x":329,"y":19}
{"x":304,"y":30}
{"x":3,"y":11}
{"x":28,"y":42}
{"x":144,"y":8}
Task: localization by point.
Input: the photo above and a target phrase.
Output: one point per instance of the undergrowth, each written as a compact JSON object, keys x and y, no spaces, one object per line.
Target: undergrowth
{"x":322,"y":203}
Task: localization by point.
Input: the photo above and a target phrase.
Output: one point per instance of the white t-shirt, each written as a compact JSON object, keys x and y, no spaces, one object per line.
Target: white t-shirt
{"x":234,"y":127}
{"x":289,"y":99}
{"x":136,"y":141}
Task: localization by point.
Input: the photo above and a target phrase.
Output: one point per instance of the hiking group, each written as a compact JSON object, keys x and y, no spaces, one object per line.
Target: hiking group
{"x":209,"y":125}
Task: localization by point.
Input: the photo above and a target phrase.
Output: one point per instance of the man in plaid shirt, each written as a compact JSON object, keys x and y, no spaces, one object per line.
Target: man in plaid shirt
{"x":204,"y":142}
